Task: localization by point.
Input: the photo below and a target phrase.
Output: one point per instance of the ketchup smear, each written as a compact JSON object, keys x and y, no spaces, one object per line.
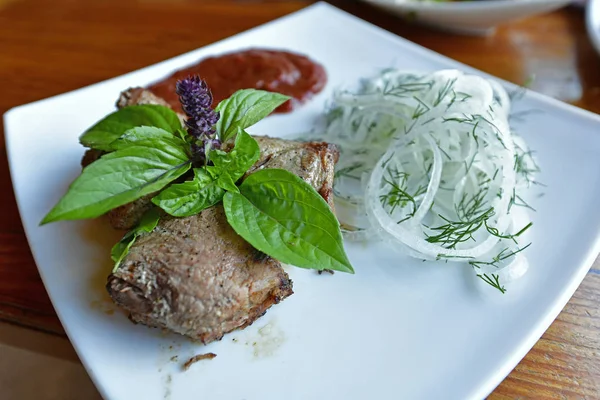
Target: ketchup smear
{"x":283,"y":72}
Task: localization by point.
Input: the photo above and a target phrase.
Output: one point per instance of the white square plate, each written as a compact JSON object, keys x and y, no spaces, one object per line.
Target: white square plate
{"x":398,"y":329}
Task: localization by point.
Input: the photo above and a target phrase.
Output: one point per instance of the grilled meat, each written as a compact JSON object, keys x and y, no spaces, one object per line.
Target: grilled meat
{"x":195,"y":275}
{"x":138,"y":95}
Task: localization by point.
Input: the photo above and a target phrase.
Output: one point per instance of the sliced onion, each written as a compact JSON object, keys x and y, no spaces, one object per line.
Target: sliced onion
{"x":428,"y":146}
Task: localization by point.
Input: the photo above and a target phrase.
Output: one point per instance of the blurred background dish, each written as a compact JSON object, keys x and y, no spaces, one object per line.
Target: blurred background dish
{"x":468,"y":17}
{"x":593,"y":22}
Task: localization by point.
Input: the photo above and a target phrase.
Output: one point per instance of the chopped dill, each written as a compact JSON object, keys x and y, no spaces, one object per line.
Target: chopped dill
{"x":428,"y":121}
{"x":493,"y":281}
{"x":398,"y":195}
{"x":516,"y":200}
{"x":455,"y":232}
{"x":447,"y":256}
{"x":468,"y":208}
{"x":410,"y":127}
{"x":444,"y":152}
{"x":498,"y":258}
{"x":469,"y":164}
{"x":348,"y":171}
{"x":525,"y":165}
{"x":494,"y":232}
{"x":333,"y":114}
{"x":406,"y":89}
{"x":475,"y":137}
{"x":421,"y":109}
{"x":444,"y":91}
{"x":454,"y":99}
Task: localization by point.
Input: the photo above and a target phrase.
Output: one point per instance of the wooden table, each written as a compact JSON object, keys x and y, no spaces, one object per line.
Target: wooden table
{"x":47,"y":48}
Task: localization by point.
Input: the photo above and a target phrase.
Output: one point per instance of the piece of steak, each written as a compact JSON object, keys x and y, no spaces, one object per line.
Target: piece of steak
{"x":139,"y":95}
{"x":196,"y":276}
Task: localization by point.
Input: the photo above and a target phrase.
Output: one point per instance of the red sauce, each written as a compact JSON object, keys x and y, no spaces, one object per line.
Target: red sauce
{"x":276,"y":71}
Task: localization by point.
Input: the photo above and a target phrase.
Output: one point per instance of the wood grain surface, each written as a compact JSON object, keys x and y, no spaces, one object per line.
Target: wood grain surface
{"x":50,"y":47}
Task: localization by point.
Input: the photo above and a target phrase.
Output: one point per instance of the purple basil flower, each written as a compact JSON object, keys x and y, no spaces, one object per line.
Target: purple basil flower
{"x":196,"y":100}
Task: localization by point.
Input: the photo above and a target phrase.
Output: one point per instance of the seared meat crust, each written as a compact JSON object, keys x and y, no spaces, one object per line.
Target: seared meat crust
{"x":195,"y":275}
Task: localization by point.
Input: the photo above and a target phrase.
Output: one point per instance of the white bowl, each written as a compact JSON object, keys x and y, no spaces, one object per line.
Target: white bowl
{"x":593,"y":22}
{"x":469,"y":17}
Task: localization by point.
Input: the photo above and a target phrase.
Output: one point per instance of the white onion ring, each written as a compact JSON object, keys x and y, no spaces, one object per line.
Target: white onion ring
{"x":437,"y":151}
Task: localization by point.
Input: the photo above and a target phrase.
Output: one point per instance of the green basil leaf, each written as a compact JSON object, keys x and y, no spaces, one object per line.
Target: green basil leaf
{"x":232,"y":166}
{"x":114,"y":125}
{"x":245,"y":108}
{"x":226,"y":182}
{"x":283,"y":216}
{"x":190,"y":197}
{"x":120,"y":177}
{"x":144,"y":133}
{"x":147,"y":224}
{"x":183,"y":135}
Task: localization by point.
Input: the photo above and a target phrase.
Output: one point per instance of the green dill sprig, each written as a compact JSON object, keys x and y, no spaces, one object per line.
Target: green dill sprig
{"x":455,"y":232}
{"x":333,"y":114}
{"x":421,"y":108}
{"x":469,"y":164}
{"x":464,"y":97}
{"x":525,"y":165}
{"x":406,"y":89}
{"x":468,"y":207}
{"x":444,"y":91}
{"x":503,"y":255}
{"x":450,"y":257}
{"x":474,"y":120}
{"x":349,"y":171}
{"x":494,"y":232}
{"x":516,"y":200}
{"x":398,"y":195}
{"x":444,"y":152}
{"x":493,"y":281}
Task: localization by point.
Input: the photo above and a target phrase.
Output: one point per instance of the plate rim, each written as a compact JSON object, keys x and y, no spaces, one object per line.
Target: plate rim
{"x":593,"y":29}
{"x":462,"y":6}
{"x":527,"y":342}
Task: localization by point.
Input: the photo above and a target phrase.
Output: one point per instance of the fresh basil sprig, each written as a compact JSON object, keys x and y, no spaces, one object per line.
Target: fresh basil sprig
{"x":210,"y":182}
{"x":147,"y":149}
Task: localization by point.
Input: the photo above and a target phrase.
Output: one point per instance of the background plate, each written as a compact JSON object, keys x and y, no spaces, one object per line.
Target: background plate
{"x":470,"y":17}
{"x":592,"y":18}
{"x":399,"y":328}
